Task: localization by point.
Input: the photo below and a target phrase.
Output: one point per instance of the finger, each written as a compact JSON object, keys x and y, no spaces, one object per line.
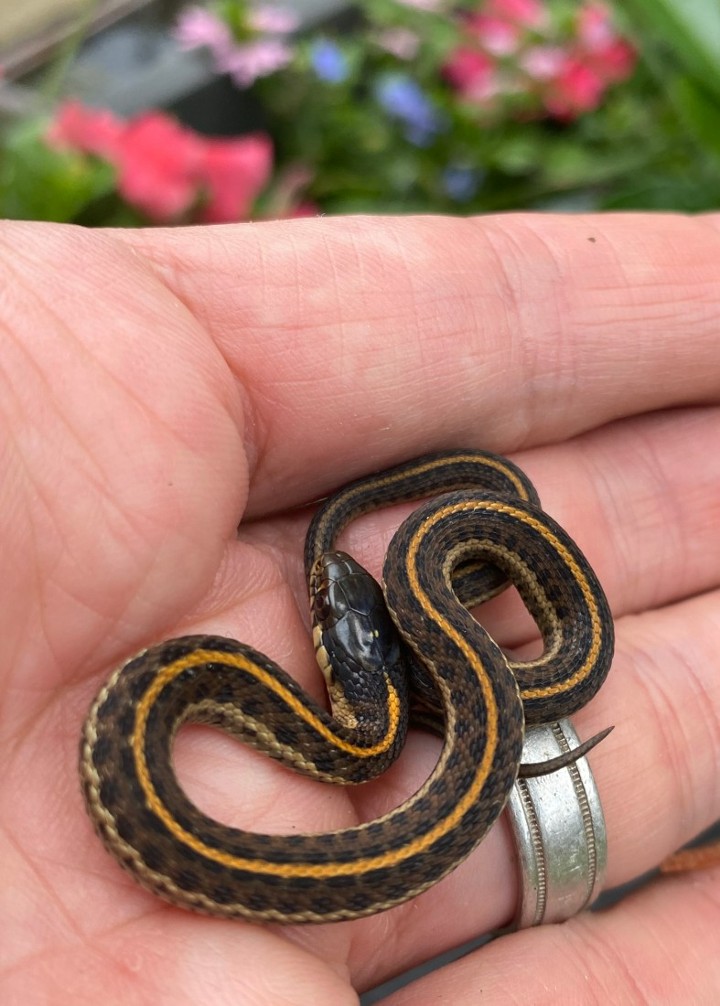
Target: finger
{"x":657,"y":945}
{"x":642,"y":499}
{"x":661,"y":472}
{"x":640,"y":496}
{"x":192,"y":960}
{"x":123,"y":471}
{"x":669,"y":734}
{"x":361,"y":342}
{"x":481,"y":894}
{"x":664,"y":699}
{"x":673,"y":756}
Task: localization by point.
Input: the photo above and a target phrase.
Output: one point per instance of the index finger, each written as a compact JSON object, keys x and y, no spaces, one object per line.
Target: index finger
{"x":358,"y":342}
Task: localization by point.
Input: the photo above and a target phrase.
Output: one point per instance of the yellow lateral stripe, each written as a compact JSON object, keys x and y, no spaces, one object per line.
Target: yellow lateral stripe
{"x":485,"y":765}
{"x":362,"y":865}
{"x":428,"y":466}
{"x":597,"y":628}
{"x":470,"y":458}
{"x":419,"y":843}
{"x":198,"y":657}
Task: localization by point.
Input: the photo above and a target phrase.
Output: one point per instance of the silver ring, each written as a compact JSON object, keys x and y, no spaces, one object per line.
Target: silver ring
{"x":559,"y":829}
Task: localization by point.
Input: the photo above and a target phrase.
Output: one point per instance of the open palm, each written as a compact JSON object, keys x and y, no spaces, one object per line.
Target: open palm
{"x":160,"y":386}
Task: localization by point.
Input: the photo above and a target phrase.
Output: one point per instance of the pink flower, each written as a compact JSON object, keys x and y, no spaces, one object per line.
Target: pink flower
{"x":528,"y":13}
{"x":197,"y":27}
{"x":472,"y":73}
{"x":260,"y":56}
{"x":245,"y":63}
{"x":234,"y":171}
{"x":597,"y":58}
{"x":94,"y":131}
{"x":399,"y":42}
{"x":498,"y":32}
{"x":577,"y":89}
{"x":306,"y":209}
{"x":543,"y":62}
{"x":273,"y":20}
{"x":595,"y":31}
{"x":165,"y":169}
{"x":611,"y":55}
{"x":429,"y":5}
{"x":158,"y":165}
{"x":496,"y":36}
{"x":618,"y":61}
{"x":554,"y":74}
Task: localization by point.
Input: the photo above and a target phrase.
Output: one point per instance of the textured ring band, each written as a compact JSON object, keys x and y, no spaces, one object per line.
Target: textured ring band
{"x":559,"y":830}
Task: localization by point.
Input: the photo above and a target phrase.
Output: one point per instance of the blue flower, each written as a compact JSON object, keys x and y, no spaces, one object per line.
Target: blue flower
{"x":461,"y":183}
{"x":399,"y":95}
{"x":328,"y":61}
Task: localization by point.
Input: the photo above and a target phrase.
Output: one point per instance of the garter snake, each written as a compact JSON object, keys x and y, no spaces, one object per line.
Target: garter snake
{"x":482,"y":527}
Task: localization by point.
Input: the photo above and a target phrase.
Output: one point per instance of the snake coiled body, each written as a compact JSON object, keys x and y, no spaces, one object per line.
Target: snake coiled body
{"x":458,"y":548}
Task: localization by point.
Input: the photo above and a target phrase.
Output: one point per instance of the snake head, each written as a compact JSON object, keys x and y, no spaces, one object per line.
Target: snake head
{"x":356,"y":643}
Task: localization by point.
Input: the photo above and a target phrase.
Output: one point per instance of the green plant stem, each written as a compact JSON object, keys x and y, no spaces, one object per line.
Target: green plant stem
{"x":67,"y":51}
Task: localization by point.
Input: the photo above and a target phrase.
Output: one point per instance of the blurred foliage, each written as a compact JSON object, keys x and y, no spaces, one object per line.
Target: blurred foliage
{"x":38,"y":183}
{"x":357,"y":127}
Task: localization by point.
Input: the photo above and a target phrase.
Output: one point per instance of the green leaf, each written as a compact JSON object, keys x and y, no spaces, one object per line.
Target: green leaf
{"x":700,"y":112}
{"x":691,"y":28}
{"x":686,"y":194}
{"x":38,"y":182}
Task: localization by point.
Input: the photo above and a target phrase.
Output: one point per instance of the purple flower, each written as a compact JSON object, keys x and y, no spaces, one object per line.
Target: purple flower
{"x":328,"y":61}
{"x":460,"y":182}
{"x":404,"y":99}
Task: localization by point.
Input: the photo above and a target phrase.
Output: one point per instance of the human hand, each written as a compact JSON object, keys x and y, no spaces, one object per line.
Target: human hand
{"x":160,"y":385}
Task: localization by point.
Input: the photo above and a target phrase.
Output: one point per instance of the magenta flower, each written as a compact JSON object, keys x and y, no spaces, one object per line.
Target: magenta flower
{"x":577,"y":89}
{"x":560,"y":75}
{"x":473,"y":74}
{"x":598,"y":58}
{"x":599,"y":43}
{"x":528,"y":13}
